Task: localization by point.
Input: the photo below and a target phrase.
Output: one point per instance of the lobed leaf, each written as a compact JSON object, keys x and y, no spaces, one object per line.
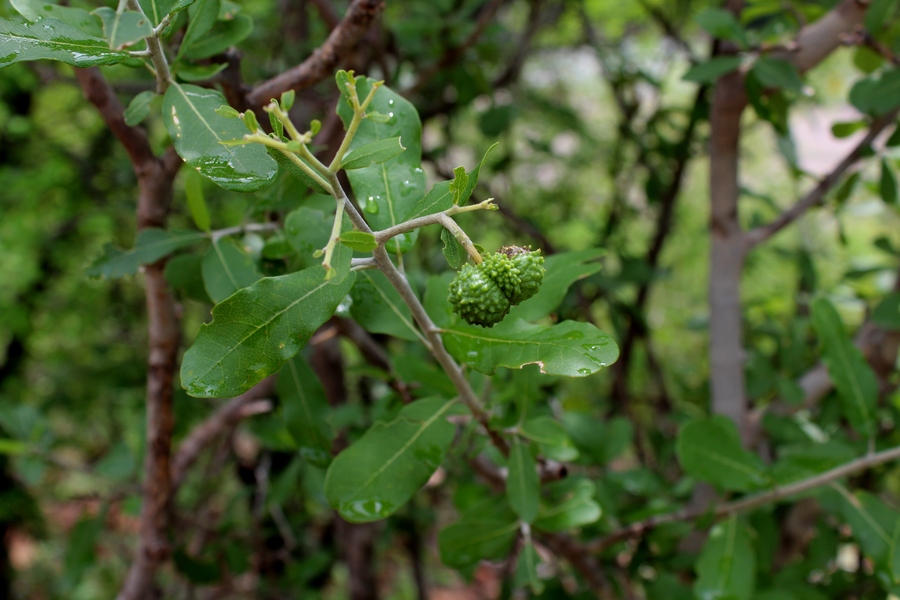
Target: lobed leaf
{"x":256,"y":330}
{"x":569,"y":348}
{"x":197,"y":132}
{"x":378,"y":474}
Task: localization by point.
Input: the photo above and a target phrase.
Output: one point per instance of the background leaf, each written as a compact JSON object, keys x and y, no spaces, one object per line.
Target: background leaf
{"x":378,"y":307}
{"x":722,"y":462}
{"x":569,"y":504}
{"x":226,"y":269}
{"x":378,"y":474}
{"x":152,"y":244}
{"x":727,"y":564}
{"x":256,"y":330}
{"x":304,"y":409}
{"x":522,"y":483}
{"x":563,"y":269}
{"x":486,"y":532}
{"x":197,"y":132}
{"x":856,"y":383}
{"x":123,"y":29}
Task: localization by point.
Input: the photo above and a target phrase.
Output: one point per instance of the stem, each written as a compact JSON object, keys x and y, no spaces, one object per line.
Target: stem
{"x":359,"y":113}
{"x":218,"y":234}
{"x":461,"y":237}
{"x":385,"y":234}
{"x":275,"y":109}
{"x":335,"y":238}
{"x":261,"y":138}
{"x":156,"y":52}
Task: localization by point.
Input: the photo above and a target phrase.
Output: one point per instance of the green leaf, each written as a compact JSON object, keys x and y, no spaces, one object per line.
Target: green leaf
{"x":152,"y":244}
{"x":877,"y":13}
{"x":76,"y":17}
{"x":221,"y":37}
{"x":443,"y":194}
{"x":872,"y":521}
{"x":802,"y":460}
{"x":522,"y":482}
{"x":125,"y":28}
{"x":887,"y":314}
{"x":227,"y":269}
{"x":376,"y":152}
{"x":712,"y":69}
{"x":202,"y":15}
{"x":563,"y":270}
{"x":377,"y":475}
{"x":856,"y":383}
{"x":486,"y":532}
{"x":344,"y":80}
{"x":184,"y":273}
{"x":568,"y":348}
{"x":260,"y":327}
{"x":723,"y":25}
{"x":725,"y":463}
{"x":604,"y":439}
{"x":877,"y":95}
{"x":158,"y":9}
{"x":777,"y":73}
{"x":193,"y":189}
{"x":550,"y":435}
{"x":569,"y":504}
{"x":842,"y":130}
{"x":526,"y":569}
{"x":307,"y":231}
{"x":460,"y":184}
{"x":452,"y":250}
{"x":726,"y":567}
{"x":395,"y":185}
{"x":378,"y":307}
{"x":52,"y":39}
{"x":197,"y":132}
{"x":191,"y":73}
{"x":887,"y":187}
{"x":361,"y":241}
{"x":139,"y":107}
{"x":304,"y":408}
{"x":296,"y":172}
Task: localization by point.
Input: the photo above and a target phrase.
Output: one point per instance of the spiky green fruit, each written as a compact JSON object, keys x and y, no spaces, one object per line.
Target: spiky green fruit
{"x":483,"y":294}
{"x":476,"y":298}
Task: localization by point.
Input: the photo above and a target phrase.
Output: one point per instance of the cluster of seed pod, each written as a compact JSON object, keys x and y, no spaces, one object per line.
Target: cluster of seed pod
{"x":483,"y":294}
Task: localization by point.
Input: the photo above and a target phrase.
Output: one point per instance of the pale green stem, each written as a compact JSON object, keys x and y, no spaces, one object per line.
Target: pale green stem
{"x":461,"y":237}
{"x":285,"y":119}
{"x":262,"y":138}
{"x":385,"y":234}
{"x":335,"y":238}
{"x":359,"y":113}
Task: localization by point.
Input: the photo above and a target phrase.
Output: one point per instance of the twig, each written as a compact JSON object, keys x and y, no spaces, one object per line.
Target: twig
{"x":818,"y":193}
{"x":442,"y":217}
{"x":325,"y":59}
{"x":749,"y":502}
{"x":221,"y":422}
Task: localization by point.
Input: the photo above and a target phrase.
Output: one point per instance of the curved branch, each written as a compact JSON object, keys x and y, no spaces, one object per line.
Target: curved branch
{"x":325,"y":59}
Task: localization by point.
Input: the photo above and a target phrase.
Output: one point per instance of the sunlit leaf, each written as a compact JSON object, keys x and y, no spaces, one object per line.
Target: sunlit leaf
{"x":76,"y":17}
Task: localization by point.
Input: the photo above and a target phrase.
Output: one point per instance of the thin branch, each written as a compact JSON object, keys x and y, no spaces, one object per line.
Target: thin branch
{"x":749,"y":502}
{"x":385,"y":234}
{"x":818,"y":39}
{"x":220,"y":423}
{"x":325,"y":59}
{"x":818,"y":193}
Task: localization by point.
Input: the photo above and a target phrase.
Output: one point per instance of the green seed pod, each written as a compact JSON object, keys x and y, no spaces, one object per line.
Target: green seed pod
{"x":529,"y":266}
{"x":476,"y":298}
{"x":503,"y":272}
